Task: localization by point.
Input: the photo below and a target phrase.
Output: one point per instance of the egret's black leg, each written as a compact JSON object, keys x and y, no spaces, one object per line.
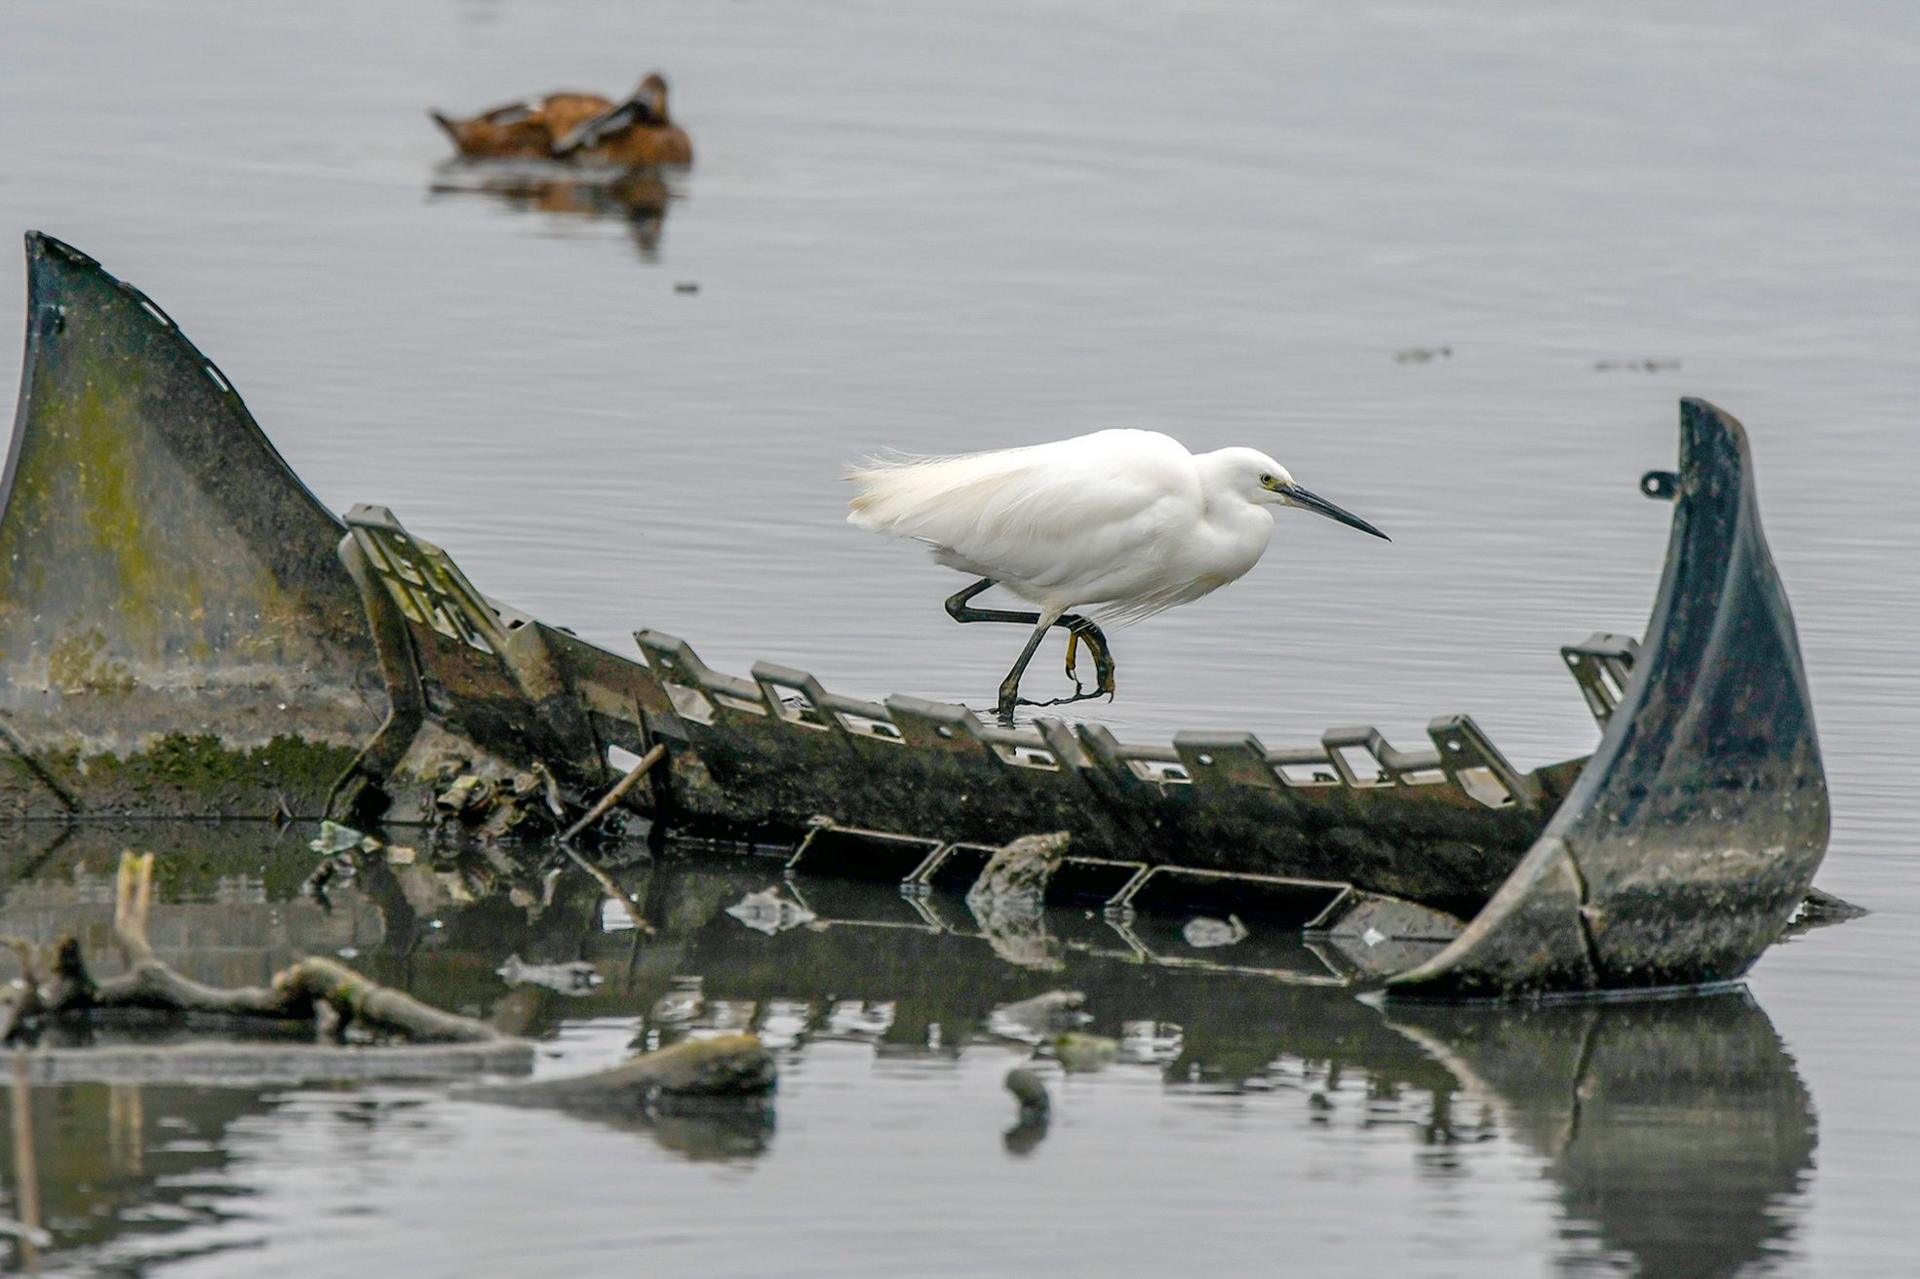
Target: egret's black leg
{"x":1010,"y":686}
{"x":961,"y":611}
{"x":1079,"y":630}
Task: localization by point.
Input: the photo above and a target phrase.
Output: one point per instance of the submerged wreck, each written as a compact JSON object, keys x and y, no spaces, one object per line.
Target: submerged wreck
{"x":185,"y":631}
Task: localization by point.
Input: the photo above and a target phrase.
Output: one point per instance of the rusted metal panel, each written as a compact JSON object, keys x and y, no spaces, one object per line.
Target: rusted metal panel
{"x":175,"y":632}
{"x":486,"y":672}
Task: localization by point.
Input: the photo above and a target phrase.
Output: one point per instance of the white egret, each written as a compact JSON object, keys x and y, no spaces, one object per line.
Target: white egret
{"x":1126,"y":522}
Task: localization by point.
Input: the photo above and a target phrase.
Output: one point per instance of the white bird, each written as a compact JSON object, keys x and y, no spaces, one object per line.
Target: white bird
{"x":1126,"y":522}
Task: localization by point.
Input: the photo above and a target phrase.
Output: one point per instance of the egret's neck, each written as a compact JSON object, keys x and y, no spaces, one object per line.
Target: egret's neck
{"x":1226,"y":507}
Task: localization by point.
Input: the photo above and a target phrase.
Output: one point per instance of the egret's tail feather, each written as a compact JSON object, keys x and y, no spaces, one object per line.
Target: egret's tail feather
{"x":933,"y":499}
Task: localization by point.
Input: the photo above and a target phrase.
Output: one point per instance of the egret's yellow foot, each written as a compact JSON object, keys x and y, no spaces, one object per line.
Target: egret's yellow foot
{"x":1096,"y":643}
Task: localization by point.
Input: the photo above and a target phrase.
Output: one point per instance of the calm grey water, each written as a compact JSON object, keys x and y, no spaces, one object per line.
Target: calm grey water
{"x":943,"y":227}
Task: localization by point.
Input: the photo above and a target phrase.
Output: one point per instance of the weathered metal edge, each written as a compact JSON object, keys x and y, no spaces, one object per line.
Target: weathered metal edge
{"x":151,"y":536}
{"x":1694,"y":833}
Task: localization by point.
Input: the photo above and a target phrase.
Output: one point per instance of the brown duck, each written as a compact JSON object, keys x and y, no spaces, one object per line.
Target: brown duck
{"x":636,"y":132}
{"x":526,"y":129}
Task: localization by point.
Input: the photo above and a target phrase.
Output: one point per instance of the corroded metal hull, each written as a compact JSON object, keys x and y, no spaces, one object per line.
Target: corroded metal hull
{"x":185,"y":631}
{"x":1695,"y":830}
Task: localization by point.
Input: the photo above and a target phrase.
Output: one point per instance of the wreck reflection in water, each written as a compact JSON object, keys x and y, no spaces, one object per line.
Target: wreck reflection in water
{"x":1674,"y":1136}
{"x":639,"y":197}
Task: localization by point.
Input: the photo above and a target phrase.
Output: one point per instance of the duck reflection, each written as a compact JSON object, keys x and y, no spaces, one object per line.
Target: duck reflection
{"x":638,"y":197}
{"x":1676,"y":1134}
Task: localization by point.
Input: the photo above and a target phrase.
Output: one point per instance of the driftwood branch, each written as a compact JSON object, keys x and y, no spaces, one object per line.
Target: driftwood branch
{"x":321,"y":991}
{"x":718,"y":1067}
{"x":324,"y":992}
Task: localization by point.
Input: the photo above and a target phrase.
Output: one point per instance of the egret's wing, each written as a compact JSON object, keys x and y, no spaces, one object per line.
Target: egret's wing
{"x":1064,"y":517}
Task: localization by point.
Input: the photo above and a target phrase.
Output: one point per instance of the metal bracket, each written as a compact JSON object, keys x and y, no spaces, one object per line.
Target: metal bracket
{"x":1601,"y":665}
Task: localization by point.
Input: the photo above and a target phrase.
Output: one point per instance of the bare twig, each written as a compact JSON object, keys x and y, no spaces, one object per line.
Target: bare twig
{"x":25,"y":1169}
{"x":594,"y":814}
{"x":28,"y":956}
{"x":132,"y":895}
{"x":615,"y":795}
{"x":25,"y":999}
{"x":612,"y":890}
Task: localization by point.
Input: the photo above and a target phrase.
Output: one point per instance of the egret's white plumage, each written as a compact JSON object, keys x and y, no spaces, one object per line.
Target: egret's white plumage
{"x":1125,"y":522}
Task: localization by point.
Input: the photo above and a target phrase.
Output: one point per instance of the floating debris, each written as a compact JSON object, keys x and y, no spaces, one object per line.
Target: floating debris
{"x":1018,"y":873}
{"x":1151,"y":1043}
{"x":335,"y":838}
{"x":687,"y":286}
{"x":338,"y":867}
{"x":34,"y":1235}
{"x":1036,"y":1019}
{"x":1081,"y":1053}
{"x":521,"y":805}
{"x":784,"y":1023}
{"x":1036,"y":1111}
{"x":1422,"y":354}
{"x":468,"y":793}
{"x":728,"y":1014}
{"x":616,"y":917}
{"x":1030,"y":1091}
{"x":1204,"y":933}
{"x":575,"y":978}
{"x":1017,"y":931}
{"x":858,"y":1019}
{"x":1635,"y":366}
{"x":768,"y":912}
{"x":714,"y":1067}
{"x":684,"y":1001}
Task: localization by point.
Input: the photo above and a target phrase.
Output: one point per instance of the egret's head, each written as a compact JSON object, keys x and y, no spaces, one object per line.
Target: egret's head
{"x":1264,"y":482}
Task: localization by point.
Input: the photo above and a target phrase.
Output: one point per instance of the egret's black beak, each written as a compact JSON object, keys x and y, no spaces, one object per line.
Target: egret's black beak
{"x":1309,"y":501}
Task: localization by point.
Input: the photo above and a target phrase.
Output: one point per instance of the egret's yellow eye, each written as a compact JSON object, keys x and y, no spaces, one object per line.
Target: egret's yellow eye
{"x":1266,"y":481}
